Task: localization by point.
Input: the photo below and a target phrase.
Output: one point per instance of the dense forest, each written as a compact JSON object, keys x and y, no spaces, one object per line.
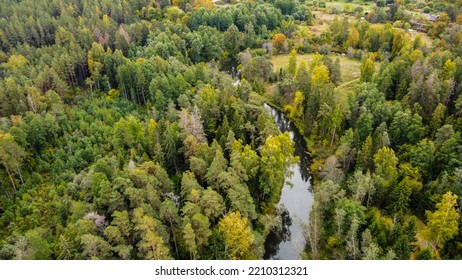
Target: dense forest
{"x":136,"y":129}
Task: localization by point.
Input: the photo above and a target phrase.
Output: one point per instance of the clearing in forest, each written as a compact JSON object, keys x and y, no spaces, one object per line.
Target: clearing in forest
{"x":350,"y":68}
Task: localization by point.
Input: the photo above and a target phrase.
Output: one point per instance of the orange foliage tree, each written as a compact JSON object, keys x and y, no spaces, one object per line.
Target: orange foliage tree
{"x":279,"y":42}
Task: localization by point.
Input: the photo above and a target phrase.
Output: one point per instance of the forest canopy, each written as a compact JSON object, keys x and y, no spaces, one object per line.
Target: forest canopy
{"x":137,"y":129}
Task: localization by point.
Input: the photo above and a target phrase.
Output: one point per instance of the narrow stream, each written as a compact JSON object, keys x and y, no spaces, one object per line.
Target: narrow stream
{"x":296,"y":200}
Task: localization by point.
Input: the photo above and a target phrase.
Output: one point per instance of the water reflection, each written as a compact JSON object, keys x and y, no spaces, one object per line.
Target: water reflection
{"x":285,"y":125}
{"x":278,"y":234}
{"x":288,"y":242}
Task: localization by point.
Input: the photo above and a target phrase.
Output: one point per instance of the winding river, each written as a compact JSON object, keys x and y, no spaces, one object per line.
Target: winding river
{"x":288,"y":242}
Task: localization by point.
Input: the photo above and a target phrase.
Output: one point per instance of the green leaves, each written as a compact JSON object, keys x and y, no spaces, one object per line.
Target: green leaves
{"x":128,"y":133}
{"x":276,"y":157}
{"x":212,"y":203}
{"x":367,"y":70}
{"x":218,"y":165}
{"x":385,"y":163}
{"x":11,"y":156}
{"x":443,"y":223}
{"x":406,"y":128}
{"x":152,"y":242}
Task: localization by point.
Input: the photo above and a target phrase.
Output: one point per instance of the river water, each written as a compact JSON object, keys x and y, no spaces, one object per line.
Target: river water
{"x":296,"y":200}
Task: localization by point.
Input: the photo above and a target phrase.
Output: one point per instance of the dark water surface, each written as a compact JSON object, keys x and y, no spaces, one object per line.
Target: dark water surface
{"x":295,"y":202}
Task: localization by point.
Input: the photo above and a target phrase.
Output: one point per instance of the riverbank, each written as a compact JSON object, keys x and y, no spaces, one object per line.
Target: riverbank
{"x":295,"y":202}
{"x":295,"y":123}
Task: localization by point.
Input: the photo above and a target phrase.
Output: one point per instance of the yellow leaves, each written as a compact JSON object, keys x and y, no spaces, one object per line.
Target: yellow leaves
{"x":238,"y":235}
{"x":16,"y":61}
{"x":449,"y":69}
{"x":272,"y":143}
{"x":347,"y":8}
{"x":353,"y":38}
{"x":5,"y":136}
{"x":113,"y":93}
{"x":292,"y":68}
{"x":290,"y":109}
{"x":303,"y":32}
{"x":106,"y":20}
{"x":333,"y":242}
{"x":194,"y":196}
{"x":385,"y":221}
{"x":416,"y":55}
{"x":95,"y":67}
{"x":209,"y":92}
{"x":296,"y":111}
{"x":91,"y":63}
{"x":16,"y":120}
{"x":298,"y":98}
{"x":152,"y":126}
{"x":204,"y":3}
{"x":140,"y":60}
{"x":443,"y":18}
{"x":443,"y":223}
{"x":320,"y":76}
{"x":276,"y":158}
{"x":173,"y":13}
{"x":317,"y":61}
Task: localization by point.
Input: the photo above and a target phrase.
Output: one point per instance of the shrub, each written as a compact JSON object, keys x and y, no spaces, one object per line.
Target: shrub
{"x":358,"y":10}
{"x":305,"y":47}
{"x":398,"y":24}
{"x":325,"y":49}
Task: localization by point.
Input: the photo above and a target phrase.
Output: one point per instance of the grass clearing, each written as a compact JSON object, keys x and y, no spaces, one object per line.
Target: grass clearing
{"x":323,"y":20}
{"x":350,"y":68}
{"x":425,"y":38}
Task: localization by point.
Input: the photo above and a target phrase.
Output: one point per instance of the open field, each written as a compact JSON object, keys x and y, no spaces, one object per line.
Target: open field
{"x":323,"y":20}
{"x":350,"y":68}
{"x":341,"y":5}
{"x":425,"y":38}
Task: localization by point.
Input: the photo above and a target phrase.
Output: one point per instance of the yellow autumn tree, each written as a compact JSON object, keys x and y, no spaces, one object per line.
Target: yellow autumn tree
{"x":443,"y":223}
{"x":238,"y":235}
{"x":297,"y":110}
{"x":204,"y":3}
{"x":353,"y":38}
{"x":320,"y":76}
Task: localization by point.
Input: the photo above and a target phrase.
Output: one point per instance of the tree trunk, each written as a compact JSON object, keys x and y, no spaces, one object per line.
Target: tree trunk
{"x":174,"y":236}
{"x":11,"y":179}
{"x":5,"y":190}
{"x":333,"y":136}
{"x":313,"y":234}
{"x":20,"y":175}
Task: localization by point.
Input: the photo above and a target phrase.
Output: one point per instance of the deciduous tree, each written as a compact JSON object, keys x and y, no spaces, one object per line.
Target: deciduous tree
{"x":238,"y":235}
{"x":442,"y":224}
